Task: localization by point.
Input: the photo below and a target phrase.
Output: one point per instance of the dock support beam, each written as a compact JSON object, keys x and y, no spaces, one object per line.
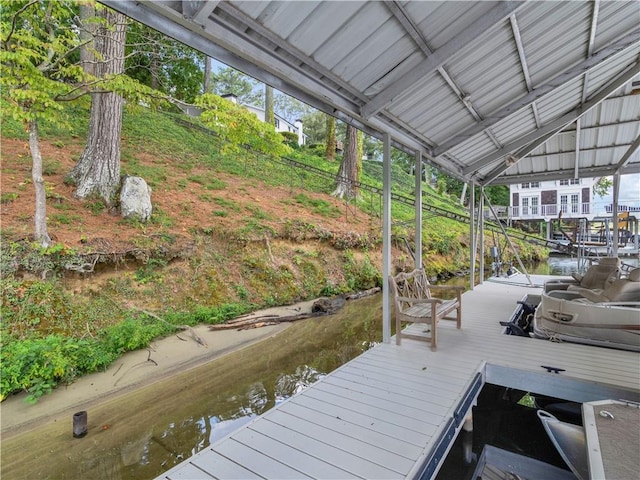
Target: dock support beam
{"x":481,"y":236}
{"x":616,"y":200}
{"x":386,"y":237}
{"x":472,"y":235}
{"x":418,"y":210}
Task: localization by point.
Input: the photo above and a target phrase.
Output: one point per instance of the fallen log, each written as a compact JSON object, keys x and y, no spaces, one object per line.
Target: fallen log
{"x":264,"y":320}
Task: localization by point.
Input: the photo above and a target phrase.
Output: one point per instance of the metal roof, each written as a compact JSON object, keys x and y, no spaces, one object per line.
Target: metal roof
{"x":495,"y":92}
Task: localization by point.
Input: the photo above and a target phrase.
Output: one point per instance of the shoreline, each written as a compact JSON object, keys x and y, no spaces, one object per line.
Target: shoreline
{"x":163,"y":359}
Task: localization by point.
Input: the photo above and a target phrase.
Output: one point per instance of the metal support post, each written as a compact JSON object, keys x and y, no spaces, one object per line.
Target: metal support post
{"x":386,"y":237}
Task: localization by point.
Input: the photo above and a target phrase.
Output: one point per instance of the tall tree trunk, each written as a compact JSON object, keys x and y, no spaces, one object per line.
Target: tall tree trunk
{"x":269,"y":116}
{"x":87,"y":34}
{"x":40,"y":218}
{"x":347,"y":178}
{"x":206,"y":85}
{"x":98,"y":169}
{"x":330,"y":142}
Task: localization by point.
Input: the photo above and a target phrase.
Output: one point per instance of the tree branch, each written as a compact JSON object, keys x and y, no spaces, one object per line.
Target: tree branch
{"x":15,"y":19}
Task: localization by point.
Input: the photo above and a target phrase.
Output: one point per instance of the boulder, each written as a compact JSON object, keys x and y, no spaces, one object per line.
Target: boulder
{"x":135,"y":199}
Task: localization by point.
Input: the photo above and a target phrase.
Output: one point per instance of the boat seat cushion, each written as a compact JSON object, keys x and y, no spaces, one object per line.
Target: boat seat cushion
{"x":598,"y":276}
{"x":621,"y":290}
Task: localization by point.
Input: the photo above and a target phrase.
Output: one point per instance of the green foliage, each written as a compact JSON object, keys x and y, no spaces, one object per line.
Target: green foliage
{"x":96,"y":206}
{"x":207,"y":181}
{"x":7,"y":197}
{"x":228,"y":81}
{"x":158,"y":61}
{"x":240,"y":127}
{"x":602,"y":186}
{"x":360,"y":275}
{"x":38,"y":365}
{"x":290,"y":138}
{"x":318,"y":206}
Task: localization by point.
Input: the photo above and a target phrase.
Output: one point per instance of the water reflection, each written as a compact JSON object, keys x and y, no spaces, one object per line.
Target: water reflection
{"x":145,"y":433}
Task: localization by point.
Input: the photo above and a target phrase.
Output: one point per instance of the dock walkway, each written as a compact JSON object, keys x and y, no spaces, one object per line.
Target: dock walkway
{"x":394,"y":411}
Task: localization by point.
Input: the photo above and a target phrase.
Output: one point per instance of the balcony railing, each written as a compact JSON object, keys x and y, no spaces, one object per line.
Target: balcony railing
{"x":569,"y":210}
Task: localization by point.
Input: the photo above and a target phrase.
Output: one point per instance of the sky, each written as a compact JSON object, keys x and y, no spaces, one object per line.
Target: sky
{"x":629,"y":192}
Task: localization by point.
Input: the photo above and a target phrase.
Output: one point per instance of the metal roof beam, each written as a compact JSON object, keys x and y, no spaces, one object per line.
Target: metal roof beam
{"x":439,"y":57}
{"x":601,"y":56}
{"x":199,"y":11}
{"x":411,"y":28}
{"x":288,"y":48}
{"x":627,"y":155}
{"x":594,"y":149}
{"x":592,"y":39}
{"x":541,"y":135}
{"x":587,"y":172}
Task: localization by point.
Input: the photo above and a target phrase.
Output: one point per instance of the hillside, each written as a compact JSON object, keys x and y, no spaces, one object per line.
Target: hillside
{"x":229,"y":234}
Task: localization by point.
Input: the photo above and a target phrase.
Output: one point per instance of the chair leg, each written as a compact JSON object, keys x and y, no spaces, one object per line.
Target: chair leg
{"x":459,"y":317}
{"x":398,"y":334}
{"x":434,"y":332}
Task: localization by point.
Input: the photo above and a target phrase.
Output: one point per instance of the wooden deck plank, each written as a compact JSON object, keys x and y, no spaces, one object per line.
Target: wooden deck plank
{"x":292,"y":457}
{"x":418,"y":425}
{"x":360,"y":419}
{"x":335,"y":456}
{"x":381,"y":414}
{"x":423,"y":413}
{"x":363,"y":449}
{"x":189,"y":472}
{"x":337,"y":424}
{"x":411,"y":388}
{"x":256,"y":461}
{"x":221,"y":467}
{"x":439,"y":400}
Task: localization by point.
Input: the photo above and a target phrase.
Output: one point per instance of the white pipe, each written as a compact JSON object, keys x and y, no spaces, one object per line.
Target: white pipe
{"x":418,"y":210}
{"x":386,"y":237}
{"x":472,"y":233}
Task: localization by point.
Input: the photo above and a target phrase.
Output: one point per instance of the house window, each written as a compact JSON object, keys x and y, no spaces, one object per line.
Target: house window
{"x":572,"y":181}
{"x":535,"y":184}
{"x":570,"y":203}
{"x":525,"y":185}
{"x":277,"y":122}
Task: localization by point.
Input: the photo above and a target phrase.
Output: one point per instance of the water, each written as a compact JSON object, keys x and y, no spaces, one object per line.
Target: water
{"x":143,"y":434}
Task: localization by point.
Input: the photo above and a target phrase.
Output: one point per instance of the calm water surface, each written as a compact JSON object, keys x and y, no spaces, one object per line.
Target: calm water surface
{"x":145,"y":433}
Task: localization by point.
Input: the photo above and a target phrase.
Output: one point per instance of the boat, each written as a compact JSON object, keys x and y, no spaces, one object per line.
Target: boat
{"x":606,"y":445}
{"x":607,"y":317}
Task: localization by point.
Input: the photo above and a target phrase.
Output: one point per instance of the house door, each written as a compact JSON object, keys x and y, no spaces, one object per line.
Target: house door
{"x":530,"y":206}
{"x":569,"y":203}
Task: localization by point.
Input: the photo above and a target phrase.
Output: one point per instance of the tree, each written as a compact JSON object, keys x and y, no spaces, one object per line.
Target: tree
{"x":348,"y":174}
{"x":206,"y":86}
{"x":269,"y":116}
{"x":240,"y":127}
{"x":602,"y":186}
{"x":230,"y":81}
{"x":330,"y":142}
{"x":315,"y":126}
{"x":98,"y":169}
{"x":36,"y":50}
{"x":164,"y":64}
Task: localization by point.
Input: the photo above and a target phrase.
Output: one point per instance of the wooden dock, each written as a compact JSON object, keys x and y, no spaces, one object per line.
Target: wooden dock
{"x":394,"y":411}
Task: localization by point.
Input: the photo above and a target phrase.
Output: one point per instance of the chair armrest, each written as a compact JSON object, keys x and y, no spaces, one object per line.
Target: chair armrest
{"x":446,"y":287}
{"x":419,"y":300}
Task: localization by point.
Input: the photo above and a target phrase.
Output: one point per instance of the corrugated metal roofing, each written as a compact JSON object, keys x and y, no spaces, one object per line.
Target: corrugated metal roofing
{"x":489,"y":91}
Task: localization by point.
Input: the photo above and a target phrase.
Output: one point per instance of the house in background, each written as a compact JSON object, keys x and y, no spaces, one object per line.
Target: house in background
{"x":281,"y":123}
{"x":571,"y":198}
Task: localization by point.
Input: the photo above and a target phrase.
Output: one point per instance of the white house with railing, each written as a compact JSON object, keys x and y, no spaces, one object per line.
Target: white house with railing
{"x":573,"y":198}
